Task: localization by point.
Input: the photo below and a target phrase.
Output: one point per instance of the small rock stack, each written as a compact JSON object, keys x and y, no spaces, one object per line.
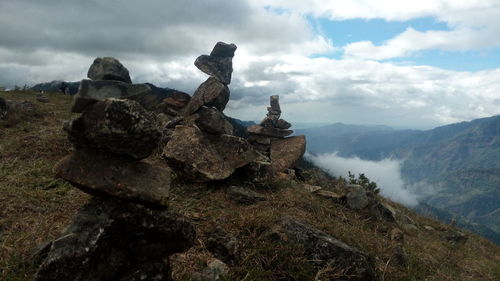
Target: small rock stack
{"x":124,"y":233}
{"x":270,"y":129}
{"x":277,"y":151}
{"x":202,"y":146}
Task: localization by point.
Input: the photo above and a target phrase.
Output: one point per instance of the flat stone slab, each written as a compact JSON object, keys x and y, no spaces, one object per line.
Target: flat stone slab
{"x":111,"y":175}
{"x":268,"y":131}
{"x":91,"y":92}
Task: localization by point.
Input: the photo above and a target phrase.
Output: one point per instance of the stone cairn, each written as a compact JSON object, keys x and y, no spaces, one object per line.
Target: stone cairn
{"x":277,"y":152}
{"x":125,"y":231}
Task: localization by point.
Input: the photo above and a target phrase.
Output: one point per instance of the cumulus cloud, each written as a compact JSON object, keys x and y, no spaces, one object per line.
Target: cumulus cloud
{"x":472,"y":24}
{"x":278,"y":53}
{"x":386,"y":173}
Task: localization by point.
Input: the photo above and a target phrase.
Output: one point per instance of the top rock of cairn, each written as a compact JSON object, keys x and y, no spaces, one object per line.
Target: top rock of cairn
{"x":219,"y":63}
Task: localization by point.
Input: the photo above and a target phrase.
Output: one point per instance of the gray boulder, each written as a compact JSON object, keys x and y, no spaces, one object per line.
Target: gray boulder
{"x":357,"y":197}
{"x":275,"y":105}
{"x":324,"y":250}
{"x":204,"y":158}
{"x":244,"y":196}
{"x":118,"y":126}
{"x":268,"y":131}
{"x":115,"y":240}
{"x":209,"y":93}
{"x":285,"y":153}
{"x":108,"y":68}
{"x":91,"y":92}
{"x":100,"y":173}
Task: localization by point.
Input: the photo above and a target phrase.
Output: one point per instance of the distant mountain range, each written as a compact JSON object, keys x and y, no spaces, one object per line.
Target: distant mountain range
{"x":462,"y":159}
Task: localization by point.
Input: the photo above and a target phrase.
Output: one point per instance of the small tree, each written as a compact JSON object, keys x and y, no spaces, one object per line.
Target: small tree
{"x":364,"y":181}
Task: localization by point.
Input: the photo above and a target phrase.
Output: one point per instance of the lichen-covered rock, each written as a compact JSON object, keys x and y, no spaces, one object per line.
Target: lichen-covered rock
{"x":285,"y":153}
{"x":105,"y":174}
{"x":324,"y":250}
{"x":91,"y":92}
{"x":108,"y":68}
{"x":115,"y":240}
{"x":118,"y":126}
{"x":209,"y":93}
{"x":268,"y":131}
{"x":203,"y":158}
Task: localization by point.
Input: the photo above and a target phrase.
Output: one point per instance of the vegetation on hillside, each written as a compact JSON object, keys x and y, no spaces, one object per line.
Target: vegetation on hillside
{"x":35,"y":207}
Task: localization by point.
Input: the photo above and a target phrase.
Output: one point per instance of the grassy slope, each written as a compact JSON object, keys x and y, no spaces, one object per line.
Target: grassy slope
{"x":35,"y":208}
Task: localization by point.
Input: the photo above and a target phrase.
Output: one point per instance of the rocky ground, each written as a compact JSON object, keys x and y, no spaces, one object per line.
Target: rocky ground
{"x":253,"y":213}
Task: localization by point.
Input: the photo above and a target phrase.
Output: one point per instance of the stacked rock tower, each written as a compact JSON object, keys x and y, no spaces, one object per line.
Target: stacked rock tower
{"x":124,"y":232}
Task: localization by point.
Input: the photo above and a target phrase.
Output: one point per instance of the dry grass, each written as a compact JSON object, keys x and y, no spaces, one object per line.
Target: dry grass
{"x":34,"y":208}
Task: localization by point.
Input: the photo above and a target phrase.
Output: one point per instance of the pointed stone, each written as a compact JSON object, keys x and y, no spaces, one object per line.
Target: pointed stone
{"x":220,"y":68}
{"x":209,"y":93}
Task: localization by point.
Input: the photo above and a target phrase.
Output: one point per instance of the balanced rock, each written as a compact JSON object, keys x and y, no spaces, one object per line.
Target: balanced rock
{"x":100,"y":173}
{"x":324,"y":250}
{"x":118,"y":126}
{"x":209,"y":93}
{"x":268,"y":131}
{"x":108,"y":68}
{"x":275,"y":105}
{"x":91,"y":92}
{"x":203,"y":158}
{"x":223,"y":50}
{"x":114,"y":240}
{"x":285,"y":153}
{"x":220,"y":62}
{"x":212,"y":121}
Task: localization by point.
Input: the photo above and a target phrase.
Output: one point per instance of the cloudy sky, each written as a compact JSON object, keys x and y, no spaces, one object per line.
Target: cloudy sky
{"x":414,"y":64}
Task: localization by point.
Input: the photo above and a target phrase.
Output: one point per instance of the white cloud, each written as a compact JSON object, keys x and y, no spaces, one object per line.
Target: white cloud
{"x":386,"y":173}
{"x":474,"y":25}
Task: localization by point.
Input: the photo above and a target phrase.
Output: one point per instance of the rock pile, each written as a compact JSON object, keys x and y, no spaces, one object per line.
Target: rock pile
{"x":277,"y":151}
{"x":124,"y":233}
{"x":201,"y":144}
